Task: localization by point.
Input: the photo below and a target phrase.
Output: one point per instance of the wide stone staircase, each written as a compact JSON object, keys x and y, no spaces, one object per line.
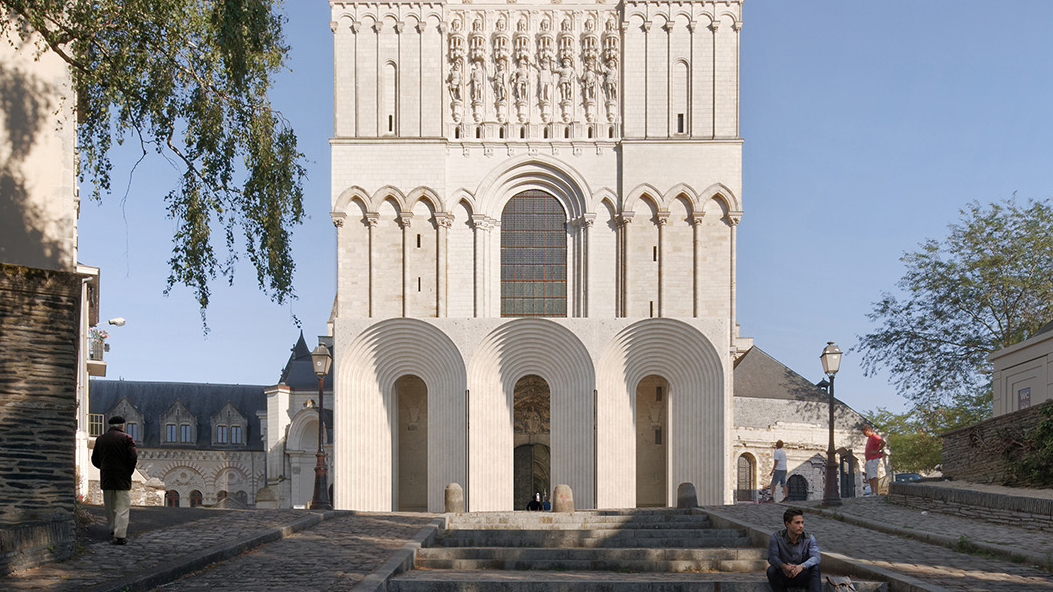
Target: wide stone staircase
{"x":662,"y":550}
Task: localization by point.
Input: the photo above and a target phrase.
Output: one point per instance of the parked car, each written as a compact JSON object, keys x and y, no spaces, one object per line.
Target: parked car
{"x":905,"y":477}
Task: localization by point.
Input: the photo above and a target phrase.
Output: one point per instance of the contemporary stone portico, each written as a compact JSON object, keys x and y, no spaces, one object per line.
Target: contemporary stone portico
{"x":449,"y":117}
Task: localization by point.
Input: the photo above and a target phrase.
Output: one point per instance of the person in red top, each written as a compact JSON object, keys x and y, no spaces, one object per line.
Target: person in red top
{"x":873,"y":457}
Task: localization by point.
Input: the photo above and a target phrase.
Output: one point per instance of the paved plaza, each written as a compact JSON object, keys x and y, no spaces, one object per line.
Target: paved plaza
{"x":279,"y":549}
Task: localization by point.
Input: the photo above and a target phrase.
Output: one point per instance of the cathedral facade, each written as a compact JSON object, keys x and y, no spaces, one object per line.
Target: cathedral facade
{"x":535,"y":205}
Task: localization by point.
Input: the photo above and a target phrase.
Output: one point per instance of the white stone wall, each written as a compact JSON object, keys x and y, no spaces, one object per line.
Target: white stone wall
{"x":627,"y":115}
{"x":39,"y":202}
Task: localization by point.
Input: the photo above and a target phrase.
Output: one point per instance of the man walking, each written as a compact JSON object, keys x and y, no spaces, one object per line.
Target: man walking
{"x":793,"y":556}
{"x":115,"y":457}
{"x":778,"y":471}
{"x":873,"y":457}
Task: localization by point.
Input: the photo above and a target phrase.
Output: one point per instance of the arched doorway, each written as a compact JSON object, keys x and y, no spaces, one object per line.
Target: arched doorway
{"x":532,"y":466}
{"x":195,"y":498}
{"x":411,"y":485}
{"x":746,"y":484}
{"x":172,"y":498}
{"x":798,"y":488}
{"x":651,"y":443}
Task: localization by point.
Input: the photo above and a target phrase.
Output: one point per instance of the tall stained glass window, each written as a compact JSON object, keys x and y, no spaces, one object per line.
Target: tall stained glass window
{"x":533,"y":256}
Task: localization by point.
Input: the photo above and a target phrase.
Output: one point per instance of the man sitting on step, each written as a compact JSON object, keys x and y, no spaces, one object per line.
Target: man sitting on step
{"x":793,"y":556}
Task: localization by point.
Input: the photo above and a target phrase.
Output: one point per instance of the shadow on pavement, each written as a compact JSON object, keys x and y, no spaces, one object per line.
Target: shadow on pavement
{"x":143,"y":519}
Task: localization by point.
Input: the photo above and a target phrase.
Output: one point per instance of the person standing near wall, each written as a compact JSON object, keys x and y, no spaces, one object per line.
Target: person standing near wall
{"x":115,"y":457}
{"x":873,"y":457}
{"x":778,"y":471}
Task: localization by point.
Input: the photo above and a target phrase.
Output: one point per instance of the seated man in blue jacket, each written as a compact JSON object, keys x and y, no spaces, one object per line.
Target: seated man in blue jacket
{"x":793,"y":556}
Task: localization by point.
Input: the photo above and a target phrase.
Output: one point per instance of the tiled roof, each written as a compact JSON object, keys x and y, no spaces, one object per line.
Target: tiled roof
{"x":203,"y":400}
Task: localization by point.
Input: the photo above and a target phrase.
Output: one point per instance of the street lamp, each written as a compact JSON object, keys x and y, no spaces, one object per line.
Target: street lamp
{"x":831,"y":359}
{"x":322,"y":360}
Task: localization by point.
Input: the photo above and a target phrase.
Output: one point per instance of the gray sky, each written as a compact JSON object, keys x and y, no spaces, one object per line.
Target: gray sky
{"x":867,"y":127}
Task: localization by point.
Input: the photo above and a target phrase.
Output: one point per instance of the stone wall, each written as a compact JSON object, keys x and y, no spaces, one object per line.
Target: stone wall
{"x":39,"y":319}
{"x":974,"y":453}
{"x":993,"y":507}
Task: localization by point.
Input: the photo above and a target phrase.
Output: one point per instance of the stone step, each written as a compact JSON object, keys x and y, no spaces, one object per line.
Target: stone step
{"x":570,"y":522}
{"x":587,"y":581}
{"x":674,"y":538}
{"x":639,"y":560}
{"x":612,"y":516}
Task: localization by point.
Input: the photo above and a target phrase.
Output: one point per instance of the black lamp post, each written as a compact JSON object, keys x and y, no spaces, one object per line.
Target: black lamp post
{"x":831,"y":359}
{"x":322,"y":360}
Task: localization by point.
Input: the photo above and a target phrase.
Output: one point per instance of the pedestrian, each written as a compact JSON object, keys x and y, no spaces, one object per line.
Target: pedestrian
{"x":793,"y":556}
{"x":778,"y":471}
{"x":872,"y":456}
{"x":115,"y":457}
{"x":535,"y":504}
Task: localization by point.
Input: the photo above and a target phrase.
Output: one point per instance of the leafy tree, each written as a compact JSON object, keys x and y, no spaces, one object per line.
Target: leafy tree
{"x":987,"y":285}
{"x":187,"y":79}
{"x":914,"y":436}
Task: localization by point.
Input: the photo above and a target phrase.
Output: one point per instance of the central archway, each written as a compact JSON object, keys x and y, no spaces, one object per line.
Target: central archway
{"x":412,"y":441}
{"x":532,"y":420}
{"x":652,"y":435}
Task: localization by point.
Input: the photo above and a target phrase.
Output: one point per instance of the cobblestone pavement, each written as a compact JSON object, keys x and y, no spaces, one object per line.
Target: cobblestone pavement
{"x":911,"y":519}
{"x":104,"y":562}
{"x":931,"y":564}
{"x":333,"y":555}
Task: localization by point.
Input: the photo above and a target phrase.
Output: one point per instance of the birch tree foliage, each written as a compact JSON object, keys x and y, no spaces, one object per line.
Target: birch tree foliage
{"x":987,"y":285}
{"x":188,"y":80}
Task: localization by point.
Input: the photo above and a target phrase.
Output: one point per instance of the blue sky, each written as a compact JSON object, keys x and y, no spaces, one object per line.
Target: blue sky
{"x":867,"y":127}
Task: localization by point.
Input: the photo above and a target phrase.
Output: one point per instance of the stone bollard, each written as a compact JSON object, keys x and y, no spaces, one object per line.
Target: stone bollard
{"x":562,"y":499}
{"x":266,"y":499}
{"x":686,"y":496}
{"x":454,"y":496}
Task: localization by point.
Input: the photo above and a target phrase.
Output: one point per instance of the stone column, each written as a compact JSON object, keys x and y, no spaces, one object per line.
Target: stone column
{"x":481,"y":231}
{"x":696,"y":229}
{"x":623,"y":222}
{"x":372,"y":218}
{"x":663,"y":219}
{"x":405,"y":222}
{"x":587,"y":222}
{"x":733,"y":221}
{"x":445,"y":221}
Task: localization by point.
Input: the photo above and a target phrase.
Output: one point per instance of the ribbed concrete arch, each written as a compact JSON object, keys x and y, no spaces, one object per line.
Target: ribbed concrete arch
{"x":527,"y":172}
{"x":512,"y":351}
{"x":366,"y":414}
{"x":697,"y":407}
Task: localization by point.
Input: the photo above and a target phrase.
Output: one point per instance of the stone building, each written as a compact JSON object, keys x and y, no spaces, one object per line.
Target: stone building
{"x":1023,"y":373}
{"x":772,"y":402}
{"x":47,"y":302}
{"x":199,"y":444}
{"x":536,"y":207}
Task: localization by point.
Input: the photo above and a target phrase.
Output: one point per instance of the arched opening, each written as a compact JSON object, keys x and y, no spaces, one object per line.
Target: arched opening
{"x":195,"y":498}
{"x":411,"y":487}
{"x":651,"y":442}
{"x":220,"y":496}
{"x":532,"y":440}
{"x":533,"y":256}
{"x":798,"y":488}
{"x":847,"y":472}
{"x":746,"y":484}
{"x":171,"y":499}
{"x":242,"y":497}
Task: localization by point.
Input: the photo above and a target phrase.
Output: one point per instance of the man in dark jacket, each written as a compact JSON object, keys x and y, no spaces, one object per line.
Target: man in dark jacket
{"x":793,"y":556}
{"x":115,"y":457}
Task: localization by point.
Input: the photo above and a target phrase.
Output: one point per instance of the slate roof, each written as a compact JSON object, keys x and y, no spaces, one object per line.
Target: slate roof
{"x":767,"y":391}
{"x":299,"y":370}
{"x":203,"y":400}
{"x":1047,"y":327}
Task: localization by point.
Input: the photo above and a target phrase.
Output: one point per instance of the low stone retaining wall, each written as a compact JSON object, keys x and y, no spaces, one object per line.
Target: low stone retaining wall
{"x":1024,"y":512}
{"x":975,"y":453}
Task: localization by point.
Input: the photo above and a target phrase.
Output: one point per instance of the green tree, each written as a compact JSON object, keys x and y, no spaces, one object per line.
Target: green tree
{"x":186,"y":79}
{"x":914,"y":436}
{"x":987,"y":285}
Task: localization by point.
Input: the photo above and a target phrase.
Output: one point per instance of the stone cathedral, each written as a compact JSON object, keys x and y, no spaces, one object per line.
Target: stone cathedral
{"x":535,"y":205}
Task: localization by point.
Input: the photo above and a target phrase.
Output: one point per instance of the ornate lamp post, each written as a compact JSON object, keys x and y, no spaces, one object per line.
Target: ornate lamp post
{"x":831,"y":359}
{"x":322,"y":360}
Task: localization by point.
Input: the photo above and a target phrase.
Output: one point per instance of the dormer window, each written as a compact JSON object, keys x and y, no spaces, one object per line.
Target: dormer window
{"x":180,"y":425}
{"x":228,"y":427}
